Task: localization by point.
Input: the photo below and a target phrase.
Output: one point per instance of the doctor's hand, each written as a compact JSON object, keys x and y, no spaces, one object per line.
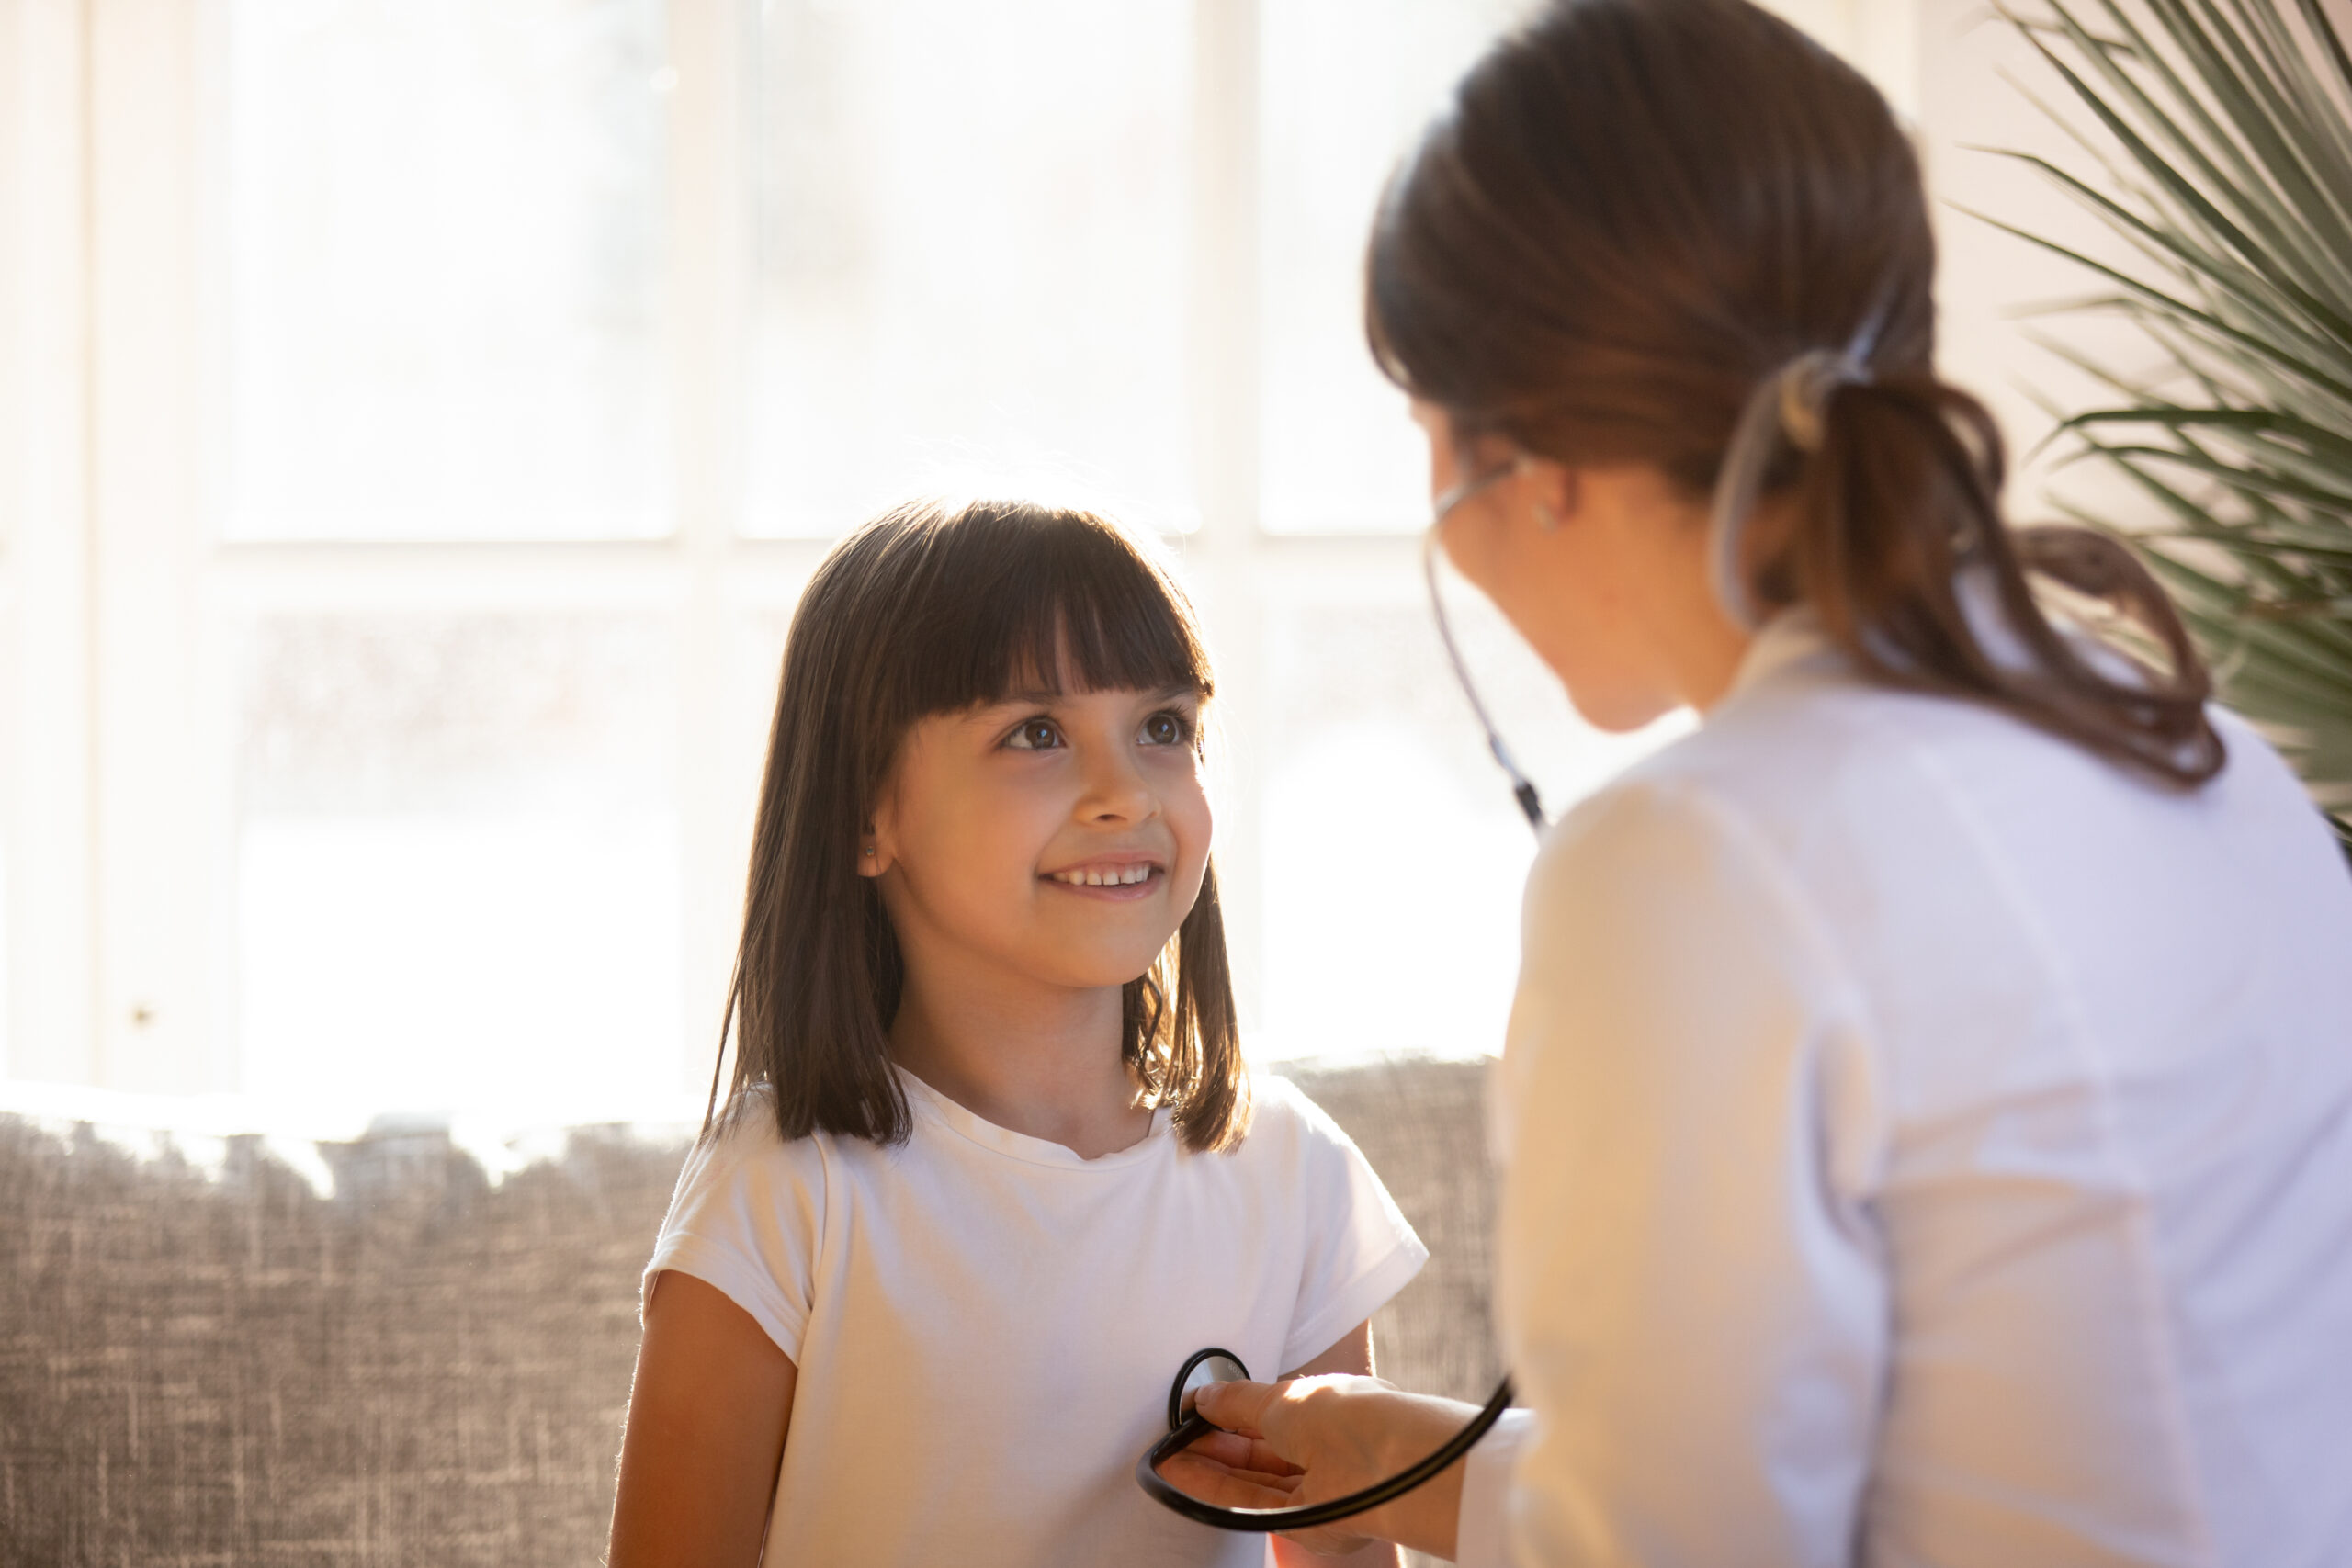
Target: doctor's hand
{"x":1310,"y":1439}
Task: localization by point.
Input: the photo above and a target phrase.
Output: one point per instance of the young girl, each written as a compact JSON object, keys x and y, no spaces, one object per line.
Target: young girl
{"x":990,"y":1167}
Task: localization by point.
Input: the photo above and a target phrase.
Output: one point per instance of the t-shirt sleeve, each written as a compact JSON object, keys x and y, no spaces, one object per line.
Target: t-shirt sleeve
{"x":745,"y":1219}
{"x":1359,"y":1250}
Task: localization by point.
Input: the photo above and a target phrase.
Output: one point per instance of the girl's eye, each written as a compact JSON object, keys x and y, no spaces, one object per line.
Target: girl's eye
{"x":1035,"y":735}
{"x":1168,"y":727}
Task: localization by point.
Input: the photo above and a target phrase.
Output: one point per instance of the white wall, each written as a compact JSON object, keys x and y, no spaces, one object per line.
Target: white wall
{"x":1968,"y":81}
{"x":1975,"y":77}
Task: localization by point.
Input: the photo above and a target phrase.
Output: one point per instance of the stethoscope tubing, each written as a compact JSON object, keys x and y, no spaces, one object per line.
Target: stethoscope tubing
{"x":1195,"y":1426}
{"x":1523,"y":788}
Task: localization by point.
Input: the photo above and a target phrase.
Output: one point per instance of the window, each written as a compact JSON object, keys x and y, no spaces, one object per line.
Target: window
{"x":971,"y":231}
{"x":1341,"y":103}
{"x":457,"y":392}
{"x":442,"y":230}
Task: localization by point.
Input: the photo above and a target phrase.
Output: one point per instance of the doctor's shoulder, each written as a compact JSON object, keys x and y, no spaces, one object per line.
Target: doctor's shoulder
{"x":1771,"y":757}
{"x":1780,"y":785}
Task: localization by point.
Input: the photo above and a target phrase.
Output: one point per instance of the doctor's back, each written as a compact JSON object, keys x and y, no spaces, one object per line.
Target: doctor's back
{"x":1954,"y":1133}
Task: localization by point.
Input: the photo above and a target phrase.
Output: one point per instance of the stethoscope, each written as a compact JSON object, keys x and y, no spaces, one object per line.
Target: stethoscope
{"x":1216,"y":1365}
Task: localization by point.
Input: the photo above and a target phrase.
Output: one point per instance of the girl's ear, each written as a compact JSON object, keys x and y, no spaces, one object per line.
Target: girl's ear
{"x":874,"y":855}
{"x":878,"y":845}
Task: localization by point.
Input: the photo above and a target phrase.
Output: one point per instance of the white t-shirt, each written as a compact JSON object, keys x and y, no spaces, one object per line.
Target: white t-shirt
{"x":986,"y":1325}
{"x":1927,"y":1145}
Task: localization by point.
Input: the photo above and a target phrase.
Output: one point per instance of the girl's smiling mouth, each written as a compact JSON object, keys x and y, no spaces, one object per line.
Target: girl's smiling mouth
{"x":1109,"y":878}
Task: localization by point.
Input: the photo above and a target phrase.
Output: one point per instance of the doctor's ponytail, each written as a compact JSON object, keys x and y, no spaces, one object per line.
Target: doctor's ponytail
{"x":1678,"y":232}
{"x":1898,"y":526}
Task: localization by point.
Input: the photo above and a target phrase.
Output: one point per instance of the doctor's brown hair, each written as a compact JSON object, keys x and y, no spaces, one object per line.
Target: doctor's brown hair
{"x":927,"y":610}
{"x":1636,"y":211}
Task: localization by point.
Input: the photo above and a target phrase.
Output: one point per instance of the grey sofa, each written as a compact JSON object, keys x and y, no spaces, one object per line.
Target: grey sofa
{"x":222,"y":1366}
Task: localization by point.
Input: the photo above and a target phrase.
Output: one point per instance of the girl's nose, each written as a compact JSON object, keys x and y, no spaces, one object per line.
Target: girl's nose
{"x":1117,"y":789}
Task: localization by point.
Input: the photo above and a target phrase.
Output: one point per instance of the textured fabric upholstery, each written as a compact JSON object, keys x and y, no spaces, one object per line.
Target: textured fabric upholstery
{"x":1422,"y":1125}
{"x":223,"y":1367}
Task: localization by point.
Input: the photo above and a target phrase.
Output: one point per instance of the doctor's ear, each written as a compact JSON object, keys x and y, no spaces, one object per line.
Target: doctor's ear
{"x":1551,"y":489}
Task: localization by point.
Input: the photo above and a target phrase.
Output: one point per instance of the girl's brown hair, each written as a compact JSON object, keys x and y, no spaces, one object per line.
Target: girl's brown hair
{"x":930,"y":609}
{"x":1635,"y":212}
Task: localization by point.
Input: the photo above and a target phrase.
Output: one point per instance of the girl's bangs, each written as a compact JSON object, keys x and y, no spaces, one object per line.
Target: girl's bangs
{"x":1025,"y":600}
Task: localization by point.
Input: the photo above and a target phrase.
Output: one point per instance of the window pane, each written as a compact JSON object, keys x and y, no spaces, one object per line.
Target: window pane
{"x":973,"y":235}
{"x":445,"y":240}
{"x":1348,"y":84}
{"x":458,"y":860}
{"x":1394,"y":854}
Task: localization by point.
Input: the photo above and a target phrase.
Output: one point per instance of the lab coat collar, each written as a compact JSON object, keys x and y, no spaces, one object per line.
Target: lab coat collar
{"x":1792,"y":636}
{"x":1795,"y":636}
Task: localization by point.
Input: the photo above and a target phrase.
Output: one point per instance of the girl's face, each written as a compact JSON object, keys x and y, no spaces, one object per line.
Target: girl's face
{"x":1050,"y":839}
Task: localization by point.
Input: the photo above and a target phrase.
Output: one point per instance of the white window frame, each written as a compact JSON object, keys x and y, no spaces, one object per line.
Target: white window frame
{"x":119,"y":817}
{"x":50,"y":921}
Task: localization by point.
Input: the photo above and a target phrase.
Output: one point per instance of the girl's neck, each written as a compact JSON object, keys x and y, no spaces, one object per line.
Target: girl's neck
{"x":1041,"y":1062}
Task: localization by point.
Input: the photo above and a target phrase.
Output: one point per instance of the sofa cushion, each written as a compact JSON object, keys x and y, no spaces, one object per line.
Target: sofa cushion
{"x":1421,"y":1124}
{"x":209,"y":1360}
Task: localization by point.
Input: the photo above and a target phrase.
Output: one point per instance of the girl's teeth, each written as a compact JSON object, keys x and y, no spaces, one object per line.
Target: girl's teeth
{"x":1126,"y":876}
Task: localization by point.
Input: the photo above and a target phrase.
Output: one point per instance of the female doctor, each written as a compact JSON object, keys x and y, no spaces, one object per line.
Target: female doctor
{"x":1927,"y":1110}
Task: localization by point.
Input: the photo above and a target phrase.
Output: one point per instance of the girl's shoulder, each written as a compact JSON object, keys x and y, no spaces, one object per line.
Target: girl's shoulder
{"x":744,"y":1123}
{"x":1288,"y":1130}
{"x":1361,"y":1247}
{"x":744,"y":1141}
{"x":1279,"y":1107}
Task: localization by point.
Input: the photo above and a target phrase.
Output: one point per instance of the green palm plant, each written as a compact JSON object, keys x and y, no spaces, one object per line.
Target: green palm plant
{"x":2224,"y":132}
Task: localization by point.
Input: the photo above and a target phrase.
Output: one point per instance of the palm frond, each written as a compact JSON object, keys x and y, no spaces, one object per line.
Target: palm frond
{"x":2223,"y":133}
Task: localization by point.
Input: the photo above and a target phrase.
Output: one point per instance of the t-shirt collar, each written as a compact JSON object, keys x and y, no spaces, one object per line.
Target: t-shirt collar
{"x":928,"y":1102}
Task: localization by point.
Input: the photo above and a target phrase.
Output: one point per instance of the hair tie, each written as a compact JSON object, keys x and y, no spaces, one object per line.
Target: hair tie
{"x":1805,"y":384}
{"x":1791,"y":403}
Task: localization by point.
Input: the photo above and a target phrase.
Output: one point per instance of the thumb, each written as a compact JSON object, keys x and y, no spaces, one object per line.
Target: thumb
{"x":1236,"y":1407}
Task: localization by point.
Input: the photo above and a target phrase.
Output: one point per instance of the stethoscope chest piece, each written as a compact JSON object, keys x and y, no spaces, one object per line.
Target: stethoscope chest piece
{"x":1200,"y":1370}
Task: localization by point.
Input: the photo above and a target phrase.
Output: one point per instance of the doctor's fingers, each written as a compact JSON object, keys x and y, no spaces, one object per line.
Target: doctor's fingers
{"x":1235,"y":1451}
{"x":1300,"y":1418}
{"x":1227,"y":1486}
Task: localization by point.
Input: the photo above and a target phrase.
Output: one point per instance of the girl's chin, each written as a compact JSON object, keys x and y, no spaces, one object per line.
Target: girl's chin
{"x":1097,"y":947}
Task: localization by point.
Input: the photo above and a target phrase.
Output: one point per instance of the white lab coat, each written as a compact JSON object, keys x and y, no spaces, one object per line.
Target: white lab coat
{"x":1925,"y":1143}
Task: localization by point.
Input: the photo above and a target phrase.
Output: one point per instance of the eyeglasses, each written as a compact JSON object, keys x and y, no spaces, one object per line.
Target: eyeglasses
{"x":1523,"y":788}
